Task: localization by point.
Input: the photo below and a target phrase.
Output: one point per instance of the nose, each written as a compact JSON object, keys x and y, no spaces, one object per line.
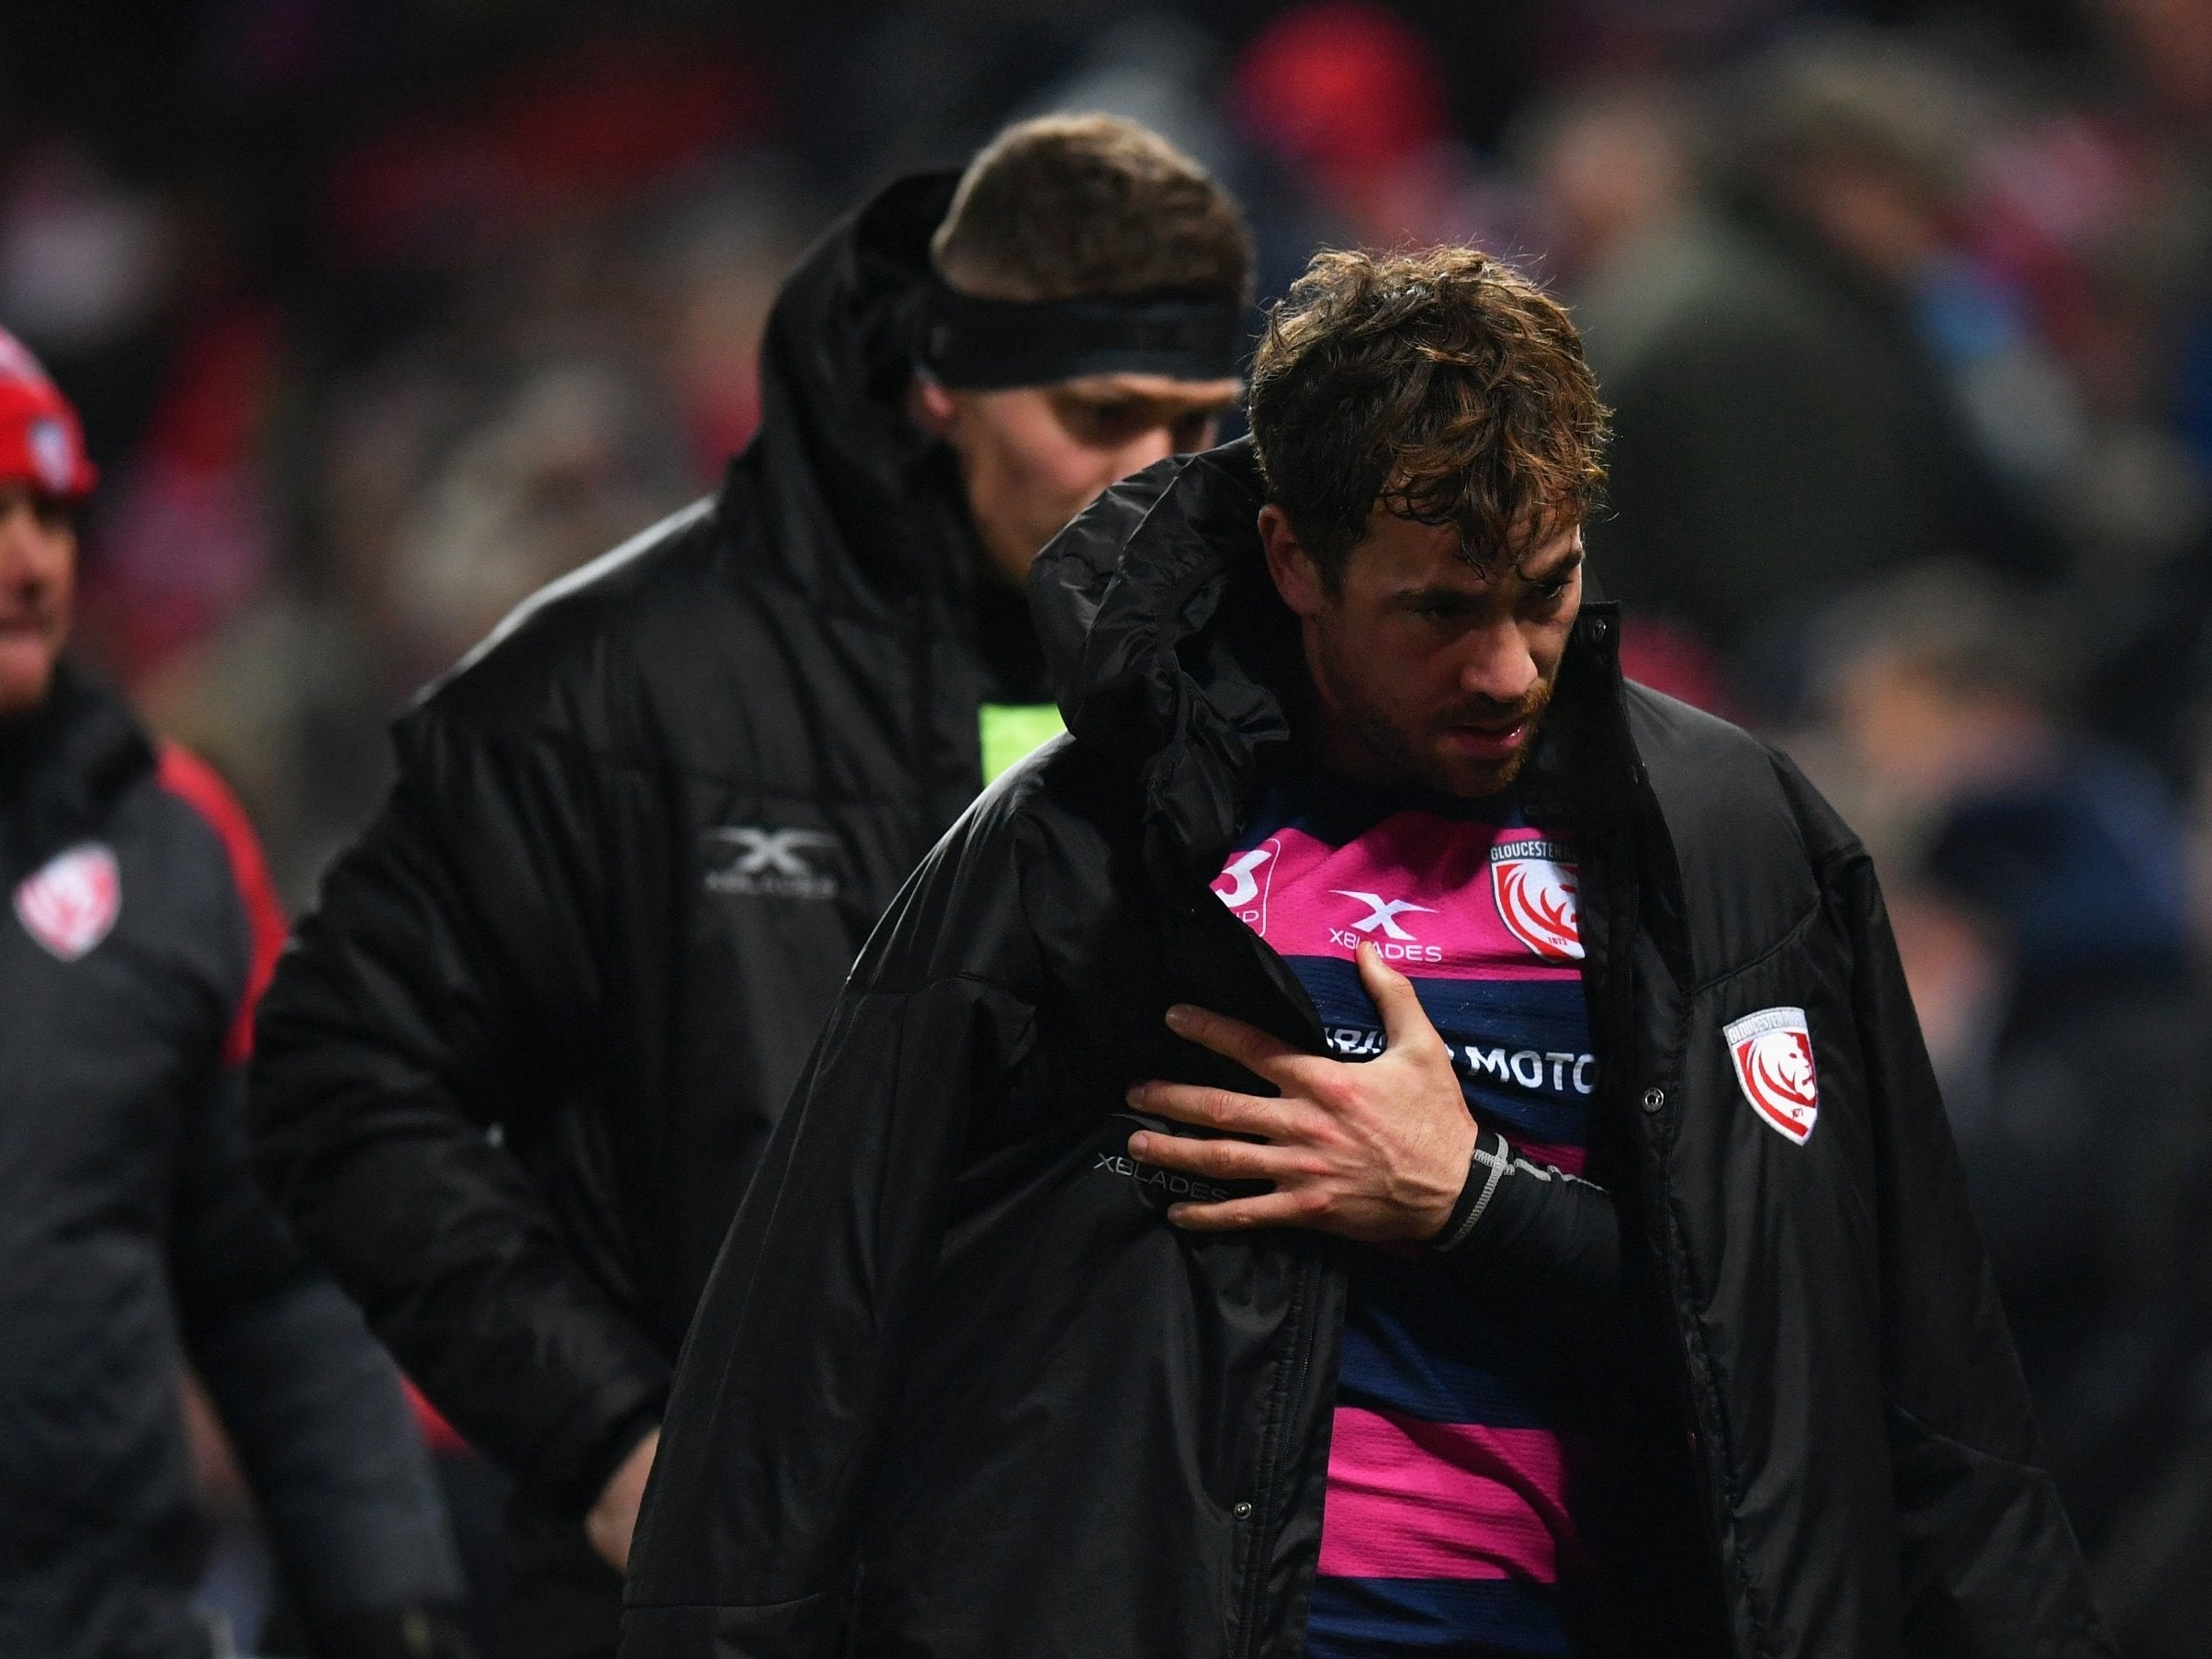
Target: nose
{"x":18,"y":542}
{"x":1499,"y":666}
{"x":31,"y":552}
{"x":1154,"y":444}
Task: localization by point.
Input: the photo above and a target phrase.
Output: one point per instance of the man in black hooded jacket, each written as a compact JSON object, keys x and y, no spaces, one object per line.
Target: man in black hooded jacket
{"x":1035,"y":1333}
{"x":515,"y":1071}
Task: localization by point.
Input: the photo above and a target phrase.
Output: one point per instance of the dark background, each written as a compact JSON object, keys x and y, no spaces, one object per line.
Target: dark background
{"x":383,"y":313}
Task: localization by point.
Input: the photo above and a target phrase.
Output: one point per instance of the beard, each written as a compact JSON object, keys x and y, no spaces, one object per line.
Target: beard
{"x":1399,"y":749}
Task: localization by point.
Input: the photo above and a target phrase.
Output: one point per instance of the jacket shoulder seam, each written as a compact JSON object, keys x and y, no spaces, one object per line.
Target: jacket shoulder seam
{"x":1790,"y":936}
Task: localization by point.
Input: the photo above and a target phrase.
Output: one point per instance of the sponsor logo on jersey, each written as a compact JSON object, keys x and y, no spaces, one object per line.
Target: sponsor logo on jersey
{"x":1773,"y":1053}
{"x":1530,"y":1066}
{"x":762,"y":863}
{"x":1381,"y":928}
{"x":1536,"y":886}
{"x":70,"y":903}
{"x":1246,"y":881}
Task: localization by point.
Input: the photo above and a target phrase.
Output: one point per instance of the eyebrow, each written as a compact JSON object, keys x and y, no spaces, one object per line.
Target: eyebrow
{"x":1560,"y":569}
{"x":1434,"y":591}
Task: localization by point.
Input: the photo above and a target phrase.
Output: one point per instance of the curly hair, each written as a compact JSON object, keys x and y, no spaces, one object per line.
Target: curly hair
{"x":1442,"y":386}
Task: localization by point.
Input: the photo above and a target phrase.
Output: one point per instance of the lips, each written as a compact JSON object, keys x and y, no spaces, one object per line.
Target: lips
{"x":1488,"y":742}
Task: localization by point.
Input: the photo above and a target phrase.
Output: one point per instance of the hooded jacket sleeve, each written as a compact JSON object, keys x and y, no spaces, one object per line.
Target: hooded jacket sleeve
{"x":312,"y":1401}
{"x":750,"y":1539}
{"x":1988,"y":1562}
{"x":1554,"y":1236}
{"x":309,"y":1398}
{"x":426,"y":1023}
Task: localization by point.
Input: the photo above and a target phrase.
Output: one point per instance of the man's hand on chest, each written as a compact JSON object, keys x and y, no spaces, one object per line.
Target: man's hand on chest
{"x":1376,"y":1151}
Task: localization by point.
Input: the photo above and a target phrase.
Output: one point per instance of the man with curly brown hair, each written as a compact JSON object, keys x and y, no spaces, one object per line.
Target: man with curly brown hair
{"x":1386,"y":1140}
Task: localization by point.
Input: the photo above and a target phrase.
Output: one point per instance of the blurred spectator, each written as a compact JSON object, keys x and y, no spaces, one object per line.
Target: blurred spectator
{"x":141,"y":930}
{"x":1354,"y":99}
{"x":1783,"y":425}
{"x":2038,"y":890}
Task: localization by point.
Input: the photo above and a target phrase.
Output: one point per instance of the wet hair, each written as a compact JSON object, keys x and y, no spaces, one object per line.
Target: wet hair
{"x":1071,"y":207}
{"x":1439,"y":385}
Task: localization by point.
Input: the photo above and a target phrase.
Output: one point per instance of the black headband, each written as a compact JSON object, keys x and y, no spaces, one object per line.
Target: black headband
{"x":987,"y":344}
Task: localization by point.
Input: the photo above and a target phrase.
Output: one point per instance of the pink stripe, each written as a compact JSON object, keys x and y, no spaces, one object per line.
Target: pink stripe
{"x":1568,"y":1161}
{"x":1418,"y":885}
{"x":1409,"y":1499}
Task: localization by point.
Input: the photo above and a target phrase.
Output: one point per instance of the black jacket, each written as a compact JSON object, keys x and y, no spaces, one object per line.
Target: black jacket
{"x":133,"y":1235}
{"x":519,"y":1064}
{"x":958,"y":1388}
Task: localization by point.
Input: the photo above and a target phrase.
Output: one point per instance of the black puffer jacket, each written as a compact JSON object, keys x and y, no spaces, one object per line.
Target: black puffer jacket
{"x":518,"y":1065}
{"x":132,"y":1234}
{"x":959,"y":1389}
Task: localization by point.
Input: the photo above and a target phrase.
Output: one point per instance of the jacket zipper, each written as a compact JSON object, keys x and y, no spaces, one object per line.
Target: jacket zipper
{"x":1260,"y":1525}
{"x":1268,"y":1499}
{"x":1694,"y":1381}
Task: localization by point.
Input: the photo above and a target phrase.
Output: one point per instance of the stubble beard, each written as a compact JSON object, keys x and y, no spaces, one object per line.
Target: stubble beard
{"x":1400,"y":757}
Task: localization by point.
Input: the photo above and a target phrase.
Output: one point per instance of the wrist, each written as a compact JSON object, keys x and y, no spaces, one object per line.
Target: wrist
{"x":1487,"y":1160}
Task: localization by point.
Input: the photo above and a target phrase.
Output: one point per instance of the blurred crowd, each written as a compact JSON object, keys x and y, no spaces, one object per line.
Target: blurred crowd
{"x":381,"y":316}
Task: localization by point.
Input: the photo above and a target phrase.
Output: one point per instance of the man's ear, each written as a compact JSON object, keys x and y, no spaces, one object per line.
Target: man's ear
{"x":932,"y":408}
{"x":1297,"y":578}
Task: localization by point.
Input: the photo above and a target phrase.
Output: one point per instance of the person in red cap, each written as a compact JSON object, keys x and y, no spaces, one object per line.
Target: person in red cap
{"x":44,"y":472}
{"x":139,"y":929}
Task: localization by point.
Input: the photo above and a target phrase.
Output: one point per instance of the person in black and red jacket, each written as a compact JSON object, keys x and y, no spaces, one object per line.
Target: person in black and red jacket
{"x":139,"y":928}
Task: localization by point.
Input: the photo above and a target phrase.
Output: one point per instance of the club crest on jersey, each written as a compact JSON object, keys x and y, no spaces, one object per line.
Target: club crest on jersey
{"x":69,"y":904}
{"x":1246,"y":881}
{"x":1773,"y":1053}
{"x":1536,"y":886}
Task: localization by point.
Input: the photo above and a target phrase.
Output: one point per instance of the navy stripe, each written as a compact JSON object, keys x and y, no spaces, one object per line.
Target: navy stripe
{"x":1462,"y":1618}
{"x":1516,"y":1026}
{"x":1415,"y":1344}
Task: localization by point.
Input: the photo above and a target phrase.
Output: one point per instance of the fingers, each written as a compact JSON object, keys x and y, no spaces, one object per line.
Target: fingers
{"x":1205,"y":1108}
{"x":1250,"y":1047}
{"x":1405,"y":1020}
{"x":1222,"y":1160}
{"x":1237,"y":1215}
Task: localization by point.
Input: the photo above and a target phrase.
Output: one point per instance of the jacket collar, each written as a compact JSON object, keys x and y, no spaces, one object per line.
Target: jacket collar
{"x":1172,"y":653}
{"x":61,"y":770}
{"x":859,"y":507}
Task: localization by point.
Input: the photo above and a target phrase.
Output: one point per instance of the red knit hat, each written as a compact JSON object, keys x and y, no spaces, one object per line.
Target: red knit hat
{"x":41,"y":444}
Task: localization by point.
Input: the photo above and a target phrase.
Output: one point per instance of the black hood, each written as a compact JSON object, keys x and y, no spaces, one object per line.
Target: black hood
{"x":61,"y":768}
{"x":1170,"y":649}
{"x":858,"y":505}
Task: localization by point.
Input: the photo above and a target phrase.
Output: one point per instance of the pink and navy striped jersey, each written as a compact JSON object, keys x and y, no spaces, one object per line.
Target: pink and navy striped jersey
{"x":1448,"y":1528}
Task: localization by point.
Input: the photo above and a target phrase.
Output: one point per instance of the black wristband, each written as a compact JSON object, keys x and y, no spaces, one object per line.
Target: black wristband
{"x":1486,"y":1168}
